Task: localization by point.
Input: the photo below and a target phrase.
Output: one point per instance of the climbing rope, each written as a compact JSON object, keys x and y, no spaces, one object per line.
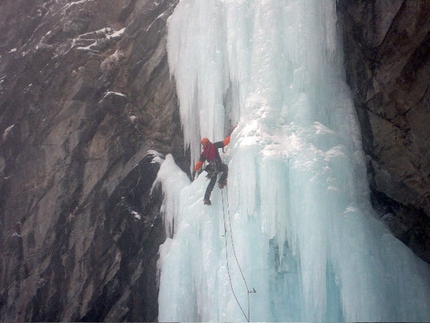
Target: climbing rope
{"x":247,"y":317}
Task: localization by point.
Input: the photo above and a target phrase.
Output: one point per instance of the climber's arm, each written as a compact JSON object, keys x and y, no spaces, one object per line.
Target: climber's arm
{"x":225,"y":142}
{"x":198,"y":165}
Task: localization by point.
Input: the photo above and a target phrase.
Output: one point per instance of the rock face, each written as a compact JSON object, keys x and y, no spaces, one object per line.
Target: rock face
{"x":387,"y":55}
{"x":85,"y":92}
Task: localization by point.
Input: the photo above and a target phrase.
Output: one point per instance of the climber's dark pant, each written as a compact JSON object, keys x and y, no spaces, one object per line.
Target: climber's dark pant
{"x":221,"y":168}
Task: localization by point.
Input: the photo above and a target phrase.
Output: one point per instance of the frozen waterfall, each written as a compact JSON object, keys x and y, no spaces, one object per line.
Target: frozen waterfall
{"x":296,"y":207}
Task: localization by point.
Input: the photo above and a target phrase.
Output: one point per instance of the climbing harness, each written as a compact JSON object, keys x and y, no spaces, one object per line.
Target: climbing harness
{"x":247,"y":316}
{"x":211,"y":169}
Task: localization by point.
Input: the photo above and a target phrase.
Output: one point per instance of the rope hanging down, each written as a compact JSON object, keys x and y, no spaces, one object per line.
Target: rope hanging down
{"x":247,"y":317}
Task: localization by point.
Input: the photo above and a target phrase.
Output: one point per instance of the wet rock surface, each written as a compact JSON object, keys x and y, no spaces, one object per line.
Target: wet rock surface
{"x":85,"y":93}
{"x":387,"y":55}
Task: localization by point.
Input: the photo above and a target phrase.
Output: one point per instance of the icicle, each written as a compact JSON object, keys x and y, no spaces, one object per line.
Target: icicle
{"x":302,"y":224}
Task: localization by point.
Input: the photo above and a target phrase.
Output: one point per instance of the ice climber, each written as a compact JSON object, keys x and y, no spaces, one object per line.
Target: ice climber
{"x":214,"y":167}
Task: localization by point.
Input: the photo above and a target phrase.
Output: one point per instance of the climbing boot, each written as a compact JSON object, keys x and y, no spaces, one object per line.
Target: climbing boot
{"x":207,"y":202}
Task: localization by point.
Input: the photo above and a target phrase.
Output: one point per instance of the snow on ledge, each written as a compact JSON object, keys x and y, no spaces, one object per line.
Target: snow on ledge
{"x":95,"y":41}
{"x":158,"y":157}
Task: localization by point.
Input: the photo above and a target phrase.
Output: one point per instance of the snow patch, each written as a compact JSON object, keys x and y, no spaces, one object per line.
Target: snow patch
{"x":136,"y":215}
{"x":7,"y":132}
{"x":158,"y":157}
{"x":96,"y":41}
{"x":109,"y":93}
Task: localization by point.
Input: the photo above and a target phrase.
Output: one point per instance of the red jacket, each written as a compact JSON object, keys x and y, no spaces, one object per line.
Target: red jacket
{"x":210,"y":152}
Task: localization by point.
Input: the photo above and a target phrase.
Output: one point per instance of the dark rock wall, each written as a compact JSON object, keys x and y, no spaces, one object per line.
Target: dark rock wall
{"x":85,"y":92}
{"x":387,"y":56}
